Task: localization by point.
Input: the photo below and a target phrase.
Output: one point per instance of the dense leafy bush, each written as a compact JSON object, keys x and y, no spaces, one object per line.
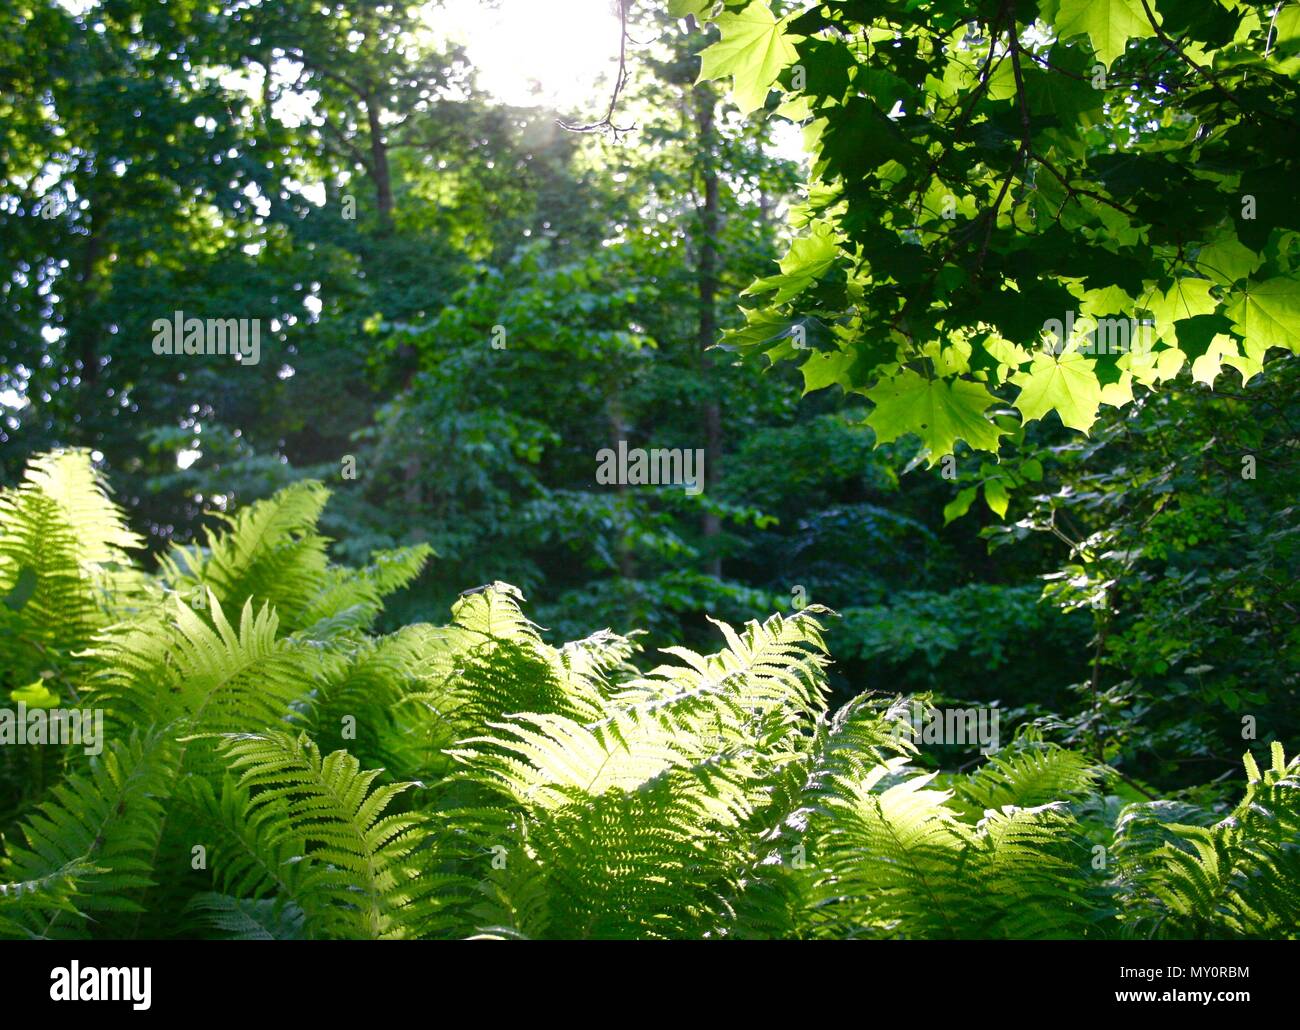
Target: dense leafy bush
{"x":929,"y":640}
{"x":273,"y":768}
{"x":1180,"y":518}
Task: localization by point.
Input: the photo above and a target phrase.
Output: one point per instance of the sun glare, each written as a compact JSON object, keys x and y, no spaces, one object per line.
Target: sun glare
{"x":559,"y":53}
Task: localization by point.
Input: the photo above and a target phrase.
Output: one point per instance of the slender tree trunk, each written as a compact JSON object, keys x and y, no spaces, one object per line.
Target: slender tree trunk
{"x":87,"y":329}
{"x":626,"y":559}
{"x":379,"y":165}
{"x":412,"y":471}
{"x":709,"y":219}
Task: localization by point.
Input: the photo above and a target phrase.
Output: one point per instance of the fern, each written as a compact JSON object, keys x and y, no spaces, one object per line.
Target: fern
{"x":1239,"y":877}
{"x":369,"y":874}
{"x":239,"y":919}
{"x":98,"y":830}
{"x":64,"y":562}
{"x":902,"y":863}
{"x":208,"y":674}
{"x":29,"y":907}
{"x":270,"y":553}
{"x":474,"y":780}
{"x":1027,"y":775}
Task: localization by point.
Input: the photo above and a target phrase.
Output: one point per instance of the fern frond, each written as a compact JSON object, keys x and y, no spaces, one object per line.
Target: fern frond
{"x":746,"y":698}
{"x":892,"y":856}
{"x":84,"y":496}
{"x":214,"y":676}
{"x":545,"y":760}
{"x":332,"y":804}
{"x":1027,"y":775}
{"x":269,"y":552}
{"x":105,"y":823}
{"x":376,"y":701}
{"x":601,"y":658}
{"x":780,"y":891}
{"x":353,"y":597}
{"x":500,"y":665}
{"x":902,"y":863}
{"x":1237,"y":878}
{"x":251,"y":853}
{"x":34,"y":903}
{"x":64,"y":566}
{"x":239,"y":919}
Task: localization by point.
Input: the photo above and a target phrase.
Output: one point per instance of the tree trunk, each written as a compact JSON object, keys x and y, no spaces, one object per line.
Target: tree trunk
{"x":87,"y":330}
{"x":626,"y":559}
{"x":708,"y":215}
{"x":379,"y":166}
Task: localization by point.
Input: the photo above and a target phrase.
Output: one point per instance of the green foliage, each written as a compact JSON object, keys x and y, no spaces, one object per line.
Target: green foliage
{"x":999,"y":191}
{"x":463,"y":304}
{"x":1024,"y":650}
{"x":63,"y":554}
{"x":1179,"y":525}
{"x":561,"y":792}
{"x":1237,"y":877}
{"x":362,"y":877}
{"x":95,"y":834}
{"x":900,"y":863}
{"x":508,"y":300}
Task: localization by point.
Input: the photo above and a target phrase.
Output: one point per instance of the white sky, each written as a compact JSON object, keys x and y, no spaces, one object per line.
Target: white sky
{"x":560,"y":53}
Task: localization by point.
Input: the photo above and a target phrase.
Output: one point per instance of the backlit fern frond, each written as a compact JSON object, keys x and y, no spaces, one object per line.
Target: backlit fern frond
{"x":752,"y":696}
{"x":891,"y":856}
{"x":495,"y":611}
{"x":498,"y":664}
{"x":865,"y":732}
{"x":269,"y":552}
{"x":632,"y":834}
{"x":353,"y":597}
{"x":1026,"y":775}
{"x":1266,"y":902}
{"x":70,"y":479}
{"x":543,"y":761}
{"x":600,"y":659}
{"x":902,"y":863}
{"x":375,"y":701}
{"x":213,"y":675}
{"x":1029,"y":865}
{"x":372,"y":860}
{"x":780,"y":889}
{"x":779,"y":662}
{"x":64,"y":566}
{"x":1237,"y":878}
{"x":657,"y":861}
{"x":99,"y":829}
{"x":660,"y":859}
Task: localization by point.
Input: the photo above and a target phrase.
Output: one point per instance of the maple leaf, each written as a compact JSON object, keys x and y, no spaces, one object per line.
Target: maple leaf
{"x":753,"y":50}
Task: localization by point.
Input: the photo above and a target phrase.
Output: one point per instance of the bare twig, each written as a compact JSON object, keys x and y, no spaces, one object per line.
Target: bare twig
{"x":606,"y":124}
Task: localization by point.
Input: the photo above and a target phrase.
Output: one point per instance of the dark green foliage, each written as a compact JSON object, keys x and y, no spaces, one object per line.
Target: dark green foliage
{"x":1182,"y":534}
